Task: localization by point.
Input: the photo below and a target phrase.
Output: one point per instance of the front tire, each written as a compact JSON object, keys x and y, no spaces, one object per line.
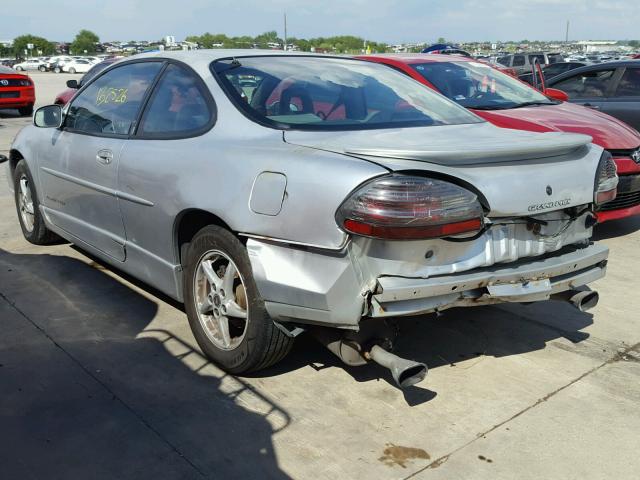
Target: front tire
{"x":28,"y":207}
{"x":26,"y":111}
{"x":19,"y":69}
{"x":72,"y":70}
{"x":226,"y":313}
{"x":42,"y":68}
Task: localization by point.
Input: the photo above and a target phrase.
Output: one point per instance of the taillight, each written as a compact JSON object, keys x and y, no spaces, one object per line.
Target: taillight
{"x":606,"y":180}
{"x":404,"y":207}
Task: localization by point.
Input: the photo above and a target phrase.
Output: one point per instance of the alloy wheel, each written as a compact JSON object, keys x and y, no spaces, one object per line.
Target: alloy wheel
{"x":221,"y":300}
{"x":25,"y":204}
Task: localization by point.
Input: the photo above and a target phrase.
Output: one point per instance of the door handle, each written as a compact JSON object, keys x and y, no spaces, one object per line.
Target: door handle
{"x":593,"y":107}
{"x":104,"y":156}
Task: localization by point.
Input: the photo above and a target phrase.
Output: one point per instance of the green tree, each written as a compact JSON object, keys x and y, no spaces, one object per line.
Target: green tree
{"x":441,"y":40}
{"x":85,"y":42}
{"x":20,"y":45}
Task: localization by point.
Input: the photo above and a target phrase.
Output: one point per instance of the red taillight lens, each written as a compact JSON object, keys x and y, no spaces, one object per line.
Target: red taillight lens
{"x":403,"y":207}
{"x":606,"y":180}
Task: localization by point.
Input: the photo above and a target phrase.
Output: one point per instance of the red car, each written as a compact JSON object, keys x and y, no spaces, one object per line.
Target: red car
{"x":16,"y":91}
{"x":510,"y":103}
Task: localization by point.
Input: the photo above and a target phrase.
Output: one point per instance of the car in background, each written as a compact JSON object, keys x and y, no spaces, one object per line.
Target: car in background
{"x":510,"y":103}
{"x":56,"y":63}
{"x":445,"y":49}
{"x":16,"y":91}
{"x":523,"y":62}
{"x":79,"y":65}
{"x":72,"y":86}
{"x":551,"y":70}
{"x":31,"y":64}
{"x":612,"y":88}
{"x":360,"y":196}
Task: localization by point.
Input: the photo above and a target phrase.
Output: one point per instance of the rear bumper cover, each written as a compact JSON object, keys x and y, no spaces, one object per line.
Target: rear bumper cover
{"x":305,"y":285}
{"x":526,"y":281}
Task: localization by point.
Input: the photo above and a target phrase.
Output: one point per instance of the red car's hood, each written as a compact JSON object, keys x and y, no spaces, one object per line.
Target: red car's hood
{"x":605,"y":130}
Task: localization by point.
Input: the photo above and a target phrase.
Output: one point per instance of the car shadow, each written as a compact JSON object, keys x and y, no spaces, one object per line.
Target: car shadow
{"x":91,"y":390}
{"x":616,"y":228}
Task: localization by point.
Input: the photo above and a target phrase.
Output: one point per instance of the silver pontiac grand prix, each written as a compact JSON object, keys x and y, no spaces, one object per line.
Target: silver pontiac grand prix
{"x":275,"y":193}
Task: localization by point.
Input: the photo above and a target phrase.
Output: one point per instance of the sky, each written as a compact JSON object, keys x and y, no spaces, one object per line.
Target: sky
{"x":390,"y":21}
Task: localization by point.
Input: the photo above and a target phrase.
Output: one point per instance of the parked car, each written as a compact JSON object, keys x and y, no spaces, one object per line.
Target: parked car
{"x":509,"y":103}
{"x":72,"y":85}
{"x":56,"y":63}
{"x":16,"y":91}
{"x":77,"y":66}
{"x":31,"y":64}
{"x":332,"y":196}
{"x":522,"y":62}
{"x":445,"y":49}
{"x":612,"y":88}
{"x":551,"y":70}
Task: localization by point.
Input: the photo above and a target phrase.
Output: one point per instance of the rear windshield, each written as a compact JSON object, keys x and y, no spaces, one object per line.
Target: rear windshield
{"x":315,"y":93}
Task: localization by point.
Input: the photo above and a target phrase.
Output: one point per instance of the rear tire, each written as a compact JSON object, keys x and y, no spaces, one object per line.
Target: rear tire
{"x":72,"y":70}
{"x":19,"y":69}
{"x":26,"y":111}
{"x":243,"y":345}
{"x":28,"y":207}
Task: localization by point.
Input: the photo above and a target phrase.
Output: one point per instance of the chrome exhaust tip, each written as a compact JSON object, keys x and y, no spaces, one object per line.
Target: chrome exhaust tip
{"x":583,"y":300}
{"x":404,"y":372}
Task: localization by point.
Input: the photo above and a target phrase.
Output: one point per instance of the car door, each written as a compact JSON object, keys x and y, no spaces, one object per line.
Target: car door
{"x":589,"y":88}
{"x":168,"y":141}
{"x":624,"y":103}
{"x":79,"y":168}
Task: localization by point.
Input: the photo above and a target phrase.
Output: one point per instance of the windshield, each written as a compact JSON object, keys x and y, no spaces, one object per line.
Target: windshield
{"x":476,"y":85}
{"x":314,"y":93}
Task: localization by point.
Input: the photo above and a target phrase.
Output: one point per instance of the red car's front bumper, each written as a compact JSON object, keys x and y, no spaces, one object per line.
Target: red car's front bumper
{"x":14,"y":95}
{"x":627,"y":202}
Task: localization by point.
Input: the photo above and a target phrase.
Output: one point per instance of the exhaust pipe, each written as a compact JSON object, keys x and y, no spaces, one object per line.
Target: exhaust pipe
{"x":583,"y":300}
{"x":404,"y":372}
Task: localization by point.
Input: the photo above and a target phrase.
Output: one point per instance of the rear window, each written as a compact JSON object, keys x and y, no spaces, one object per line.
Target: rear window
{"x":315,"y":93}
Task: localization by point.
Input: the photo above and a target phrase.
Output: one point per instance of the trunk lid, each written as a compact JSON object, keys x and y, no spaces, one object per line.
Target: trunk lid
{"x":515,"y":172}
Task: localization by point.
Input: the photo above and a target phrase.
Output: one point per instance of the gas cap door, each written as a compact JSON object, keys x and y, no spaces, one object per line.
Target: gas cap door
{"x":268,"y":193}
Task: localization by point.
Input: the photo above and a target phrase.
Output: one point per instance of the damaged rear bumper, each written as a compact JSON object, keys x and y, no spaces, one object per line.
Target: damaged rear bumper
{"x":529,"y":280}
{"x":338,"y":288}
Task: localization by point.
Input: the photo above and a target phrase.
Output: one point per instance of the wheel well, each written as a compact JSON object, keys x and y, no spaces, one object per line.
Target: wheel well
{"x":189,"y":223}
{"x":14,"y":157}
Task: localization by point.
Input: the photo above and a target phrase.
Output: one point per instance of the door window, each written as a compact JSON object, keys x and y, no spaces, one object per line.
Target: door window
{"x":629,"y":85}
{"x":179,"y":105}
{"x":518,"y":60}
{"x":592,"y":84}
{"x":111,"y":104}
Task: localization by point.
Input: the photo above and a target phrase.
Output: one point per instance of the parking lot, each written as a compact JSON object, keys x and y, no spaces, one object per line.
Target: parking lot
{"x":101,"y":378}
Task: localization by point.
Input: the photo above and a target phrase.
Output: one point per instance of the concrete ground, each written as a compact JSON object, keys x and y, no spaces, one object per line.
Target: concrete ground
{"x":100,"y":377}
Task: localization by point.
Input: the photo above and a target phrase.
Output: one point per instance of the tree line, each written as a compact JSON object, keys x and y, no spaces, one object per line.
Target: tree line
{"x":339,"y":44}
{"x":85,"y":43}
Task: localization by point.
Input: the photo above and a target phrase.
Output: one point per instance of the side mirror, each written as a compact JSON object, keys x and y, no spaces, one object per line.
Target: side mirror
{"x":556,"y":94}
{"x":4,"y":158}
{"x":73,"y":84}
{"x":48,"y":117}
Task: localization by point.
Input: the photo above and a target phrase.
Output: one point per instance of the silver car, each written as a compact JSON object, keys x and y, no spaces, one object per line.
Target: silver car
{"x":278,"y":193}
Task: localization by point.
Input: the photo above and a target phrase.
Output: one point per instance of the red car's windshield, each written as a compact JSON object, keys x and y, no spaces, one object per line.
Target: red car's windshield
{"x":476,"y":85}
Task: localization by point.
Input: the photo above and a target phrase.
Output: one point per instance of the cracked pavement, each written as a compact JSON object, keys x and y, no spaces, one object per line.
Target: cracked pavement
{"x":101,"y":378}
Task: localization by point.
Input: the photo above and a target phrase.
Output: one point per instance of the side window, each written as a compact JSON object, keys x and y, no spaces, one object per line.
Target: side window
{"x":518,"y":60}
{"x":504,"y":61}
{"x":587,"y":84}
{"x":178,"y":105}
{"x":629,"y":85}
{"x":110,"y":105}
